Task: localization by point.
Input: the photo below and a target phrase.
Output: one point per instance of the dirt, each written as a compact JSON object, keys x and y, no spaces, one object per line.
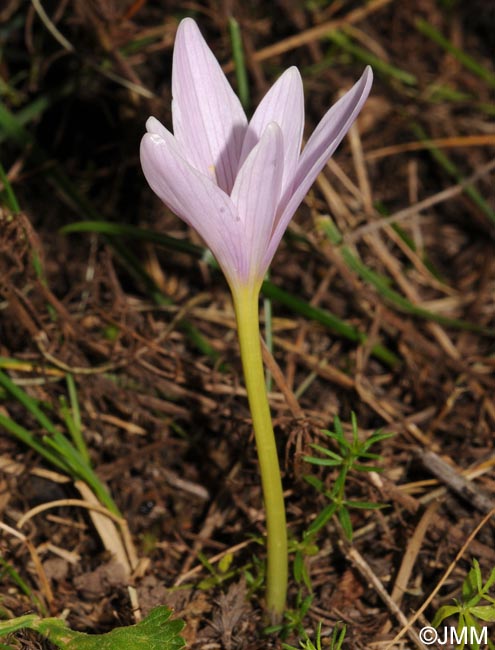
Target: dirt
{"x":148,"y":332}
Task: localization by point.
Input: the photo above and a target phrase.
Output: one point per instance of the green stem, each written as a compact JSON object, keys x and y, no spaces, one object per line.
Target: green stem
{"x":246,"y":309}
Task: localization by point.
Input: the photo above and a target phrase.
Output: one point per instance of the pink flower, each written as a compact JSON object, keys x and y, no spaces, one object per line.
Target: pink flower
{"x":238,"y":183}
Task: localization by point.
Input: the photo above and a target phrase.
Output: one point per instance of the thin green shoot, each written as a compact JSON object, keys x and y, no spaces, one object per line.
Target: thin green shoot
{"x":72,"y":418}
{"x":239,"y":63}
{"x":53,"y":446}
{"x":9,"y":570}
{"x":464,"y":59}
{"x":293,"y":617}
{"x":382,"y":285}
{"x":350,"y":456}
{"x":219,"y":574}
{"x":9,"y":192}
{"x":343,"y":41}
{"x":302,"y":550}
{"x":447,"y":165}
{"x":255,"y":575}
{"x":336,"y":641}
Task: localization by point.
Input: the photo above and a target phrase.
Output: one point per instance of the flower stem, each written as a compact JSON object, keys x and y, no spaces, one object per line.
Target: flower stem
{"x":246,"y":309}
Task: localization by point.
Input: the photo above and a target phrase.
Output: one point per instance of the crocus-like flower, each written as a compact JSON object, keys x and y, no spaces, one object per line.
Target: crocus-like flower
{"x":238,"y":183}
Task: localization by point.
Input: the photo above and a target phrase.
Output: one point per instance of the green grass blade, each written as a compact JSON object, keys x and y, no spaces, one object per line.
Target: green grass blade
{"x":343,"y":41}
{"x":28,"y":402}
{"x":23,"y":586}
{"x":72,"y":419}
{"x":54,"y":448}
{"x":78,"y":468}
{"x":467,"y":61}
{"x":239,"y":63}
{"x":133,"y":232}
{"x":327,"y":319}
{"x":444,"y":161}
{"x":31,"y":441}
{"x":381,"y":284}
{"x":9,"y":192}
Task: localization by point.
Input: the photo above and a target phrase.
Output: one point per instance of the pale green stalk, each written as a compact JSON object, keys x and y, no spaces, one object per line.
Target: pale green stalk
{"x":246,"y":310}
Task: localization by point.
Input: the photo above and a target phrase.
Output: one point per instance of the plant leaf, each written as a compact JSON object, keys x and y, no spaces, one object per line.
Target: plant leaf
{"x":155,"y":632}
{"x":484,"y":612}
{"x":444,"y":612}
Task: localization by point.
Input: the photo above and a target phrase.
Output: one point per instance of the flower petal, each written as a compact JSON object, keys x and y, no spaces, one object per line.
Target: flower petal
{"x":331,"y":130}
{"x":320,"y":147}
{"x":209,"y":121}
{"x":155,"y":126}
{"x":256,"y":194}
{"x":194,"y":198}
{"x":283,"y":104}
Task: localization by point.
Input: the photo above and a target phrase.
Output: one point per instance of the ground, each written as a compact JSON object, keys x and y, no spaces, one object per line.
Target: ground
{"x":379,"y":303}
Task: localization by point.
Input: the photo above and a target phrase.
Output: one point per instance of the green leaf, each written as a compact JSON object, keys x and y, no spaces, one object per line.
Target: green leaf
{"x":339,"y":430}
{"x":298,"y":566}
{"x":484,"y":613}
{"x":443,"y":613}
{"x":345,"y":522}
{"x":327,"y":452}
{"x":155,"y":632}
{"x":339,"y":485}
{"x":367,"y":468}
{"x":324,"y":462}
{"x":471,"y":624}
{"x":376,"y":437}
{"x":19,"y":623}
{"x":490,"y":582}
{"x":365,"y":505}
{"x":472,"y":585}
{"x":315,"y":482}
{"x":325,"y":515}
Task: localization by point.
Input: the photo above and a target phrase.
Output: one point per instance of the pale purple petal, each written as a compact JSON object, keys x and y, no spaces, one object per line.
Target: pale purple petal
{"x":256,"y":194}
{"x":320,"y":147}
{"x":209,"y":121}
{"x":155,"y":126}
{"x":332,"y":128}
{"x":283,"y":104}
{"x":194,"y":198}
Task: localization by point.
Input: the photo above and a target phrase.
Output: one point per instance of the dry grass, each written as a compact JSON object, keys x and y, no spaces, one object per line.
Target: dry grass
{"x":148,"y":333}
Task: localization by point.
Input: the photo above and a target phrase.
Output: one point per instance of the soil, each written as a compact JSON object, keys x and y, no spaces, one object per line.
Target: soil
{"x":147,"y":331}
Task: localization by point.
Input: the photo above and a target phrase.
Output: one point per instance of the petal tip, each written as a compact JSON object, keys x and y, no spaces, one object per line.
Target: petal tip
{"x":368,"y":74}
{"x":152,"y":124}
{"x":188,"y":28}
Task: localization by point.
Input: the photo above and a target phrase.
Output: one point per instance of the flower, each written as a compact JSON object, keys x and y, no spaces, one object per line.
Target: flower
{"x":238,"y":183}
